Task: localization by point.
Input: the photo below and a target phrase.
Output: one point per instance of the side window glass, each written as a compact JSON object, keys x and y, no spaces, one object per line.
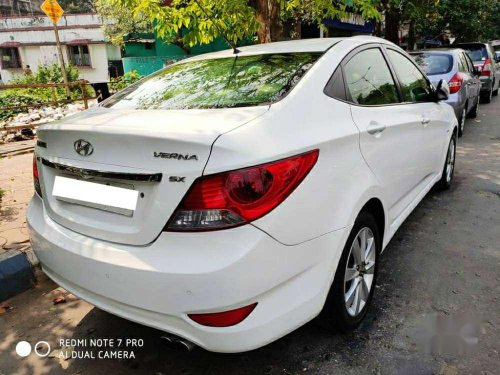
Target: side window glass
{"x":414,"y":85}
{"x":470,"y":65}
{"x":461,"y":67}
{"x":464,"y":67}
{"x":369,"y":79}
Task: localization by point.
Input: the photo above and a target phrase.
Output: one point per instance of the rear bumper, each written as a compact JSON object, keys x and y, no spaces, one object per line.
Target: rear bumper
{"x":159,"y":284}
{"x":486,"y":84}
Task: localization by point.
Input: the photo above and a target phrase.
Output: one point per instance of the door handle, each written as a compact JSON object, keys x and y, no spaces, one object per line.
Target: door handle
{"x":375,"y":129}
{"x":425,"y":121}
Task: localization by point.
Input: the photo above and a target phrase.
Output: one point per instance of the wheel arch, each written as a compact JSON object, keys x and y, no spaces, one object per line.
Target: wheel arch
{"x":375,"y":207}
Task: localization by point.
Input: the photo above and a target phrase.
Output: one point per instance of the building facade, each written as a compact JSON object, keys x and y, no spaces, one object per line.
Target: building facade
{"x":9,"y":8}
{"x":30,"y":41}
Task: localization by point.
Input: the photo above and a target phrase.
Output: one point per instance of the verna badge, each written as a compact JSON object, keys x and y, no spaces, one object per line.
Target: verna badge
{"x":83,"y":148}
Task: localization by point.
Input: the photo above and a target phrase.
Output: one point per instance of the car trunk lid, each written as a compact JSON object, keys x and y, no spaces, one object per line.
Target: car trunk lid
{"x":155,"y":154}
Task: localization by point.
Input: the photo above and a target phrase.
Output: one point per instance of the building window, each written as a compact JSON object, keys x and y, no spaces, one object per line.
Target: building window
{"x":79,"y":55}
{"x":10,"y":58}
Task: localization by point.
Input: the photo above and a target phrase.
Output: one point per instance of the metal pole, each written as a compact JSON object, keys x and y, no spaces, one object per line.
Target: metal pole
{"x":61,"y":61}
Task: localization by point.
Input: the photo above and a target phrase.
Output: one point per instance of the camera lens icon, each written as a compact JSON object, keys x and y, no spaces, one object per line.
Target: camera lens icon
{"x":23,"y":348}
{"x":42,"y":349}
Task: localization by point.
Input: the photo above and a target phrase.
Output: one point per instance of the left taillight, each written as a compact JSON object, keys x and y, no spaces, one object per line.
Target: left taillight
{"x":455,"y":83}
{"x":229,"y":199}
{"x":486,"y":70}
{"x":36,"y":179}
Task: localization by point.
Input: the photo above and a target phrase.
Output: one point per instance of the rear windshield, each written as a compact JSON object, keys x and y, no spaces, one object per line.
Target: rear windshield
{"x":217,"y":83}
{"x":477,"y":52}
{"x":434,"y":64}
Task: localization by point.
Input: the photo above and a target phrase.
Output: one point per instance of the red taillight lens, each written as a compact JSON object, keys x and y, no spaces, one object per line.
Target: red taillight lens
{"x":456,"y":83}
{"x":234,"y":198}
{"x":486,"y":70}
{"x":223,"y":319}
{"x":36,"y":180}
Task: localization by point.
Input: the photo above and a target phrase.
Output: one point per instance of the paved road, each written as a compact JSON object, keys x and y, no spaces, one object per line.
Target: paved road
{"x":443,"y":262}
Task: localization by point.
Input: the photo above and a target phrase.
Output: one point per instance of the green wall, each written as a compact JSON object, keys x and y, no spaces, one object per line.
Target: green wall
{"x":147,"y":58}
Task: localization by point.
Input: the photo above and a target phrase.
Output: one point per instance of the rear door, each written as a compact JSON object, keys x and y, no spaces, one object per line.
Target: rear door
{"x":418,"y":94}
{"x":476,"y":82}
{"x":390,"y":132}
{"x":495,"y":62}
{"x":470,"y":82}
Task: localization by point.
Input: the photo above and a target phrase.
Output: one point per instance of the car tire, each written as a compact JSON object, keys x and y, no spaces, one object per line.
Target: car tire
{"x":349,"y":300}
{"x":474,"y":111}
{"x":486,"y":97}
{"x":461,"y":121}
{"x":449,"y":166}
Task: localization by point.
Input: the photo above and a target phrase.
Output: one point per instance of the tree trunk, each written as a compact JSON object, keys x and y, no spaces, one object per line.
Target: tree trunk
{"x":267,"y":14}
{"x":411,"y":36}
{"x":392,"y":18}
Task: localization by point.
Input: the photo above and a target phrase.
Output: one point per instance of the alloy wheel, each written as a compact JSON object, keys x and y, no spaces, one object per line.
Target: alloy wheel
{"x":359,"y":272}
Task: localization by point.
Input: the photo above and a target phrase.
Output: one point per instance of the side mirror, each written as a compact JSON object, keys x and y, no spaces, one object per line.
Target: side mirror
{"x":476,"y":72}
{"x":442,"y":90}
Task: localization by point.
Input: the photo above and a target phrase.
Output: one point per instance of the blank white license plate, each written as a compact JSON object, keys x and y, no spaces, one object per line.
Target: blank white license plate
{"x":103,"y":197}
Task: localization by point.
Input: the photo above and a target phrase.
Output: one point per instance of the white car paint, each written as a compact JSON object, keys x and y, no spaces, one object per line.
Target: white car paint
{"x":286,"y":260}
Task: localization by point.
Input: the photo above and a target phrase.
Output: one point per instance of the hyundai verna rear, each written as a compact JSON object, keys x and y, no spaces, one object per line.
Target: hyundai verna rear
{"x":230,"y":198}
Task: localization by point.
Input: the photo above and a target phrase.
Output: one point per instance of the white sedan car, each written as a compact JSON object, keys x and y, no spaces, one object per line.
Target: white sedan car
{"x":230,"y":198}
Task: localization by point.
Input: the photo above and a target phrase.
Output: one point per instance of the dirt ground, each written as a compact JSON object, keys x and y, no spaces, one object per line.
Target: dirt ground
{"x":442,"y":265}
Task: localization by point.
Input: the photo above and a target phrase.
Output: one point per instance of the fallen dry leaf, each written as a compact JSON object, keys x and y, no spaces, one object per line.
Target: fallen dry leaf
{"x":59,"y":300}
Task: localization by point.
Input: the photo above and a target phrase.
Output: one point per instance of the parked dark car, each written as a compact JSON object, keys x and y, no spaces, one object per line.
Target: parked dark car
{"x":488,"y":64}
{"x":456,"y":68}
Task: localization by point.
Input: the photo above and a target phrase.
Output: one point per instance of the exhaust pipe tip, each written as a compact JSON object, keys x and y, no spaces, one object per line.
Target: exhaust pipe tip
{"x":177,"y":343}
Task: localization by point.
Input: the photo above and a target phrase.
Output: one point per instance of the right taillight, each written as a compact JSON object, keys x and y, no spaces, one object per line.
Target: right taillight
{"x":229,"y":199}
{"x":36,"y":179}
{"x":456,"y":83}
{"x":486,"y":70}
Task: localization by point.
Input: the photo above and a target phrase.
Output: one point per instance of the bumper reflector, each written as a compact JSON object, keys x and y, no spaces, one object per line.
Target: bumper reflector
{"x":223,"y":319}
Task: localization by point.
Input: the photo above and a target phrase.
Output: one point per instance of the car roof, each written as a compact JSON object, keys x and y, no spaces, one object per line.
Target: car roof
{"x":436,"y":51}
{"x":290,"y":46}
{"x":470,"y":44}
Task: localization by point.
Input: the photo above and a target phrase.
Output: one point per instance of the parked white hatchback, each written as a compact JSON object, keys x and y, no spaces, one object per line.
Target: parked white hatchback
{"x":230,"y":198}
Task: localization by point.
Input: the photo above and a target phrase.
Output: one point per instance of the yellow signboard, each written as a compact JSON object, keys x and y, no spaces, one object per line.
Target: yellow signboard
{"x":52,"y":9}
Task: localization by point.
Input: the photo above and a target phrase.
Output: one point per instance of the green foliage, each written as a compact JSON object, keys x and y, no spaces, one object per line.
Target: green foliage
{"x":32,"y":96}
{"x":2,"y":192}
{"x":77,"y":6}
{"x":19,"y":97}
{"x":119,"y":83}
{"x":50,"y":73}
{"x":191,"y":22}
{"x":120,"y":20}
{"x":467,"y":20}
{"x":477,"y":20}
{"x":318,"y":10}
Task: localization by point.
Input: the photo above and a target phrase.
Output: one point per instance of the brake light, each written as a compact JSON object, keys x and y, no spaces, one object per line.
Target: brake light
{"x":455,"y":83}
{"x":223,"y":319}
{"x":486,"y":70}
{"x":36,"y":179}
{"x":229,"y":199}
